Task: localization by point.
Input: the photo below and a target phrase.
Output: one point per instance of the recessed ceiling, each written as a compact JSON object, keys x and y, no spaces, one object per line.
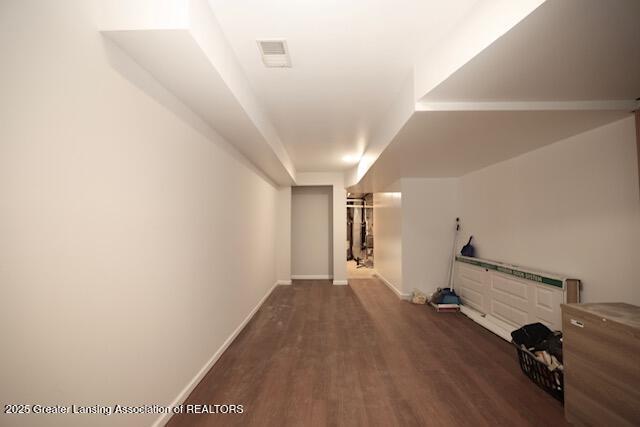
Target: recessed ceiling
{"x":565,"y":50}
{"x":350,"y":60}
{"x":352,"y":84}
{"x":568,"y":67}
{"x":451,"y":144}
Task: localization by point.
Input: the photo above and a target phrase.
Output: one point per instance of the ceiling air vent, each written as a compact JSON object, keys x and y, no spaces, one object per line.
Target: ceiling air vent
{"x":274,"y":53}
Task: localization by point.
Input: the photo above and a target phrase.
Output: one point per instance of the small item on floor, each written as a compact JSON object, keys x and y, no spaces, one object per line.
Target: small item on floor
{"x":446,"y":308}
{"x":444,"y":296}
{"x":445,"y":300}
{"x":435,"y":296}
{"x":418,"y":297}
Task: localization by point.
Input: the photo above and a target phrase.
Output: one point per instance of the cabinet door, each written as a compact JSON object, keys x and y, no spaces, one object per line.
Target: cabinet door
{"x":546,"y":303}
{"x":602,"y":373}
{"x":509,"y":299}
{"x":471,"y":285}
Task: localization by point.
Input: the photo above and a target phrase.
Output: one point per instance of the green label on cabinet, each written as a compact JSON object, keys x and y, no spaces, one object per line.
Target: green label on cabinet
{"x":513,"y":272}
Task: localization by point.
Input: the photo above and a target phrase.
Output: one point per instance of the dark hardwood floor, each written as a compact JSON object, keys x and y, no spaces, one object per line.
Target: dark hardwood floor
{"x":318,"y":354}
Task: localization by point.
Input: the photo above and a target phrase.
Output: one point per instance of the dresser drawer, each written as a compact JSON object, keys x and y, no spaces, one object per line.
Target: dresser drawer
{"x":601,"y":346}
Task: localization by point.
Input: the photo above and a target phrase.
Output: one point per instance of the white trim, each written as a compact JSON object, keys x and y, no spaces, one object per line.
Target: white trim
{"x":602,"y":105}
{"x":496,"y":326}
{"x":186,"y":391}
{"x":311,"y":277}
{"x":283,"y":282}
{"x":340,"y":282}
{"x":393,"y":288}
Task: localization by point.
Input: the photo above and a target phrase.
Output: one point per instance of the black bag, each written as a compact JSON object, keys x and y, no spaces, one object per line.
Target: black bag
{"x":552,"y":345}
{"x":531,"y":335}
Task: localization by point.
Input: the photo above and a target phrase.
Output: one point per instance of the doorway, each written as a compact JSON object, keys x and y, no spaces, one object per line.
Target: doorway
{"x":311,"y":233}
{"x":360,"y":246}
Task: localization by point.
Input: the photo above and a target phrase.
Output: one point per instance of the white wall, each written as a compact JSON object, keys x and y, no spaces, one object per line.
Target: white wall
{"x":387,"y":232}
{"x":428,"y":228}
{"x":312,"y":232}
{"x":283,"y":232}
{"x":145,"y":20}
{"x":120,"y":225}
{"x":570,"y":207}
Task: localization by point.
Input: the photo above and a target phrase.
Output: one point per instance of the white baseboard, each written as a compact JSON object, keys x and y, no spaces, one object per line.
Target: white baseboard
{"x":283,"y":282}
{"x":164,"y":418}
{"x":496,"y":326}
{"x":392,"y":287}
{"x":311,"y":277}
{"x":340,"y":282}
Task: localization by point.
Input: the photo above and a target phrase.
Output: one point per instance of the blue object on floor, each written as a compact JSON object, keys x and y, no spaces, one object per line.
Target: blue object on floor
{"x":448,"y":296}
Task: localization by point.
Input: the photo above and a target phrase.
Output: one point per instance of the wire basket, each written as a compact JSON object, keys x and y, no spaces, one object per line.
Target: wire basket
{"x":550,"y":381}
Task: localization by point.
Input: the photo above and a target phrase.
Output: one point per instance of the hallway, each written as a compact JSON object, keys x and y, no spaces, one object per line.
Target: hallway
{"x":189,"y":190}
{"x":317,"y":354}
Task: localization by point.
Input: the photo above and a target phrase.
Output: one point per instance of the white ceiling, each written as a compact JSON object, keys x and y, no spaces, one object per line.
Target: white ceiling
{"x":566,"y":50}
{"x":350,"y":60}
